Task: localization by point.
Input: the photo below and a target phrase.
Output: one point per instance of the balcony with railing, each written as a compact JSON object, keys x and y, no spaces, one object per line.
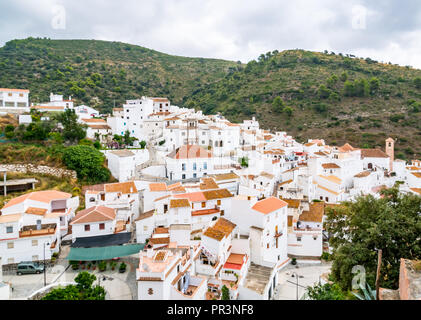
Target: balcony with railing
{"x":38,"y":230}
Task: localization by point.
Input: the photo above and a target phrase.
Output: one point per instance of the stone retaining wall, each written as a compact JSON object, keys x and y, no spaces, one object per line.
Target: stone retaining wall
{"x":30,"y":168}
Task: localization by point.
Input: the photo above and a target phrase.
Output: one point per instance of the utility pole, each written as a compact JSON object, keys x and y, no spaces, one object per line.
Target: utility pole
{"x":296,"y":291}
{"x":45,"y":275}
{"x":379,"y":264}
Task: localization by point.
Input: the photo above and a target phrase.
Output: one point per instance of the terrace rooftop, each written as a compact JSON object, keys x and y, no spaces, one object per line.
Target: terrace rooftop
{"x":257,"y":278}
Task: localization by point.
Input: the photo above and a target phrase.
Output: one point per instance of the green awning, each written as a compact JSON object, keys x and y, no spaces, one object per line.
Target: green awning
{"x":103,"y":253}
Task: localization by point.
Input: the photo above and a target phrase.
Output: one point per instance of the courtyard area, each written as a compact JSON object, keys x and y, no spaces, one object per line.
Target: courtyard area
{"x":118,"y":286}
{"x":308,"y":275}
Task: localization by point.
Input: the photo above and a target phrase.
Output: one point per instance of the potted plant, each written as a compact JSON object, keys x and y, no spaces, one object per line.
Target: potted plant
{"x":294,"y":261}
{"x":122,"y":267}
{"x":113,"y":264}
{"x":83,"y":267}
{"x":102,"y":266}
{"x":94,"y":267}
{"x":89,"y":265}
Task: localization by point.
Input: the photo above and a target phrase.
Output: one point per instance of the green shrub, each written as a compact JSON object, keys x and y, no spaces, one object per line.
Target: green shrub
{"x":87,"y":162}
{"x":102,"y":266}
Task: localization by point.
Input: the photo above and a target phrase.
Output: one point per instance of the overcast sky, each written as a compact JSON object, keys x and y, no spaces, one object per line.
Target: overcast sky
{"x":386,"y":30}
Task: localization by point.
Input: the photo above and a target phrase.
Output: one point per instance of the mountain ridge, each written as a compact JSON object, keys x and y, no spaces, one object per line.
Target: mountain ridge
{"x":309,"y":94}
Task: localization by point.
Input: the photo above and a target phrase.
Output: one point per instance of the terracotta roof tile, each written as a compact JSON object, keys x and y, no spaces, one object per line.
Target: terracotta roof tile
{"x":159,"y":186}
{"x":42,"y":196}
{"x":145,"y":215}
{"x":204,"y":212}
{"x":417,"y":174}
{"x":123,"y":187}
{"x":192,"y":196}
{"x":373,"y":153}
{"x":217,"y":194}
{"x":416,"y":190}
{"x":13,"y":90}
{"x":285,"y":182}
{"x":328,"y":190}
{"x":208,"y":183}
{"x":179,"y":203}
{"x":362,"y":174}
{"x":346,"y":148}
{"x":36,"y":211}
{"x":315,"y":214}
{"x":159,"y":240}
{"x":94,"y":214}
{"x":292,"y":203}
{"x":220,"y":229}
{"x":269,"y":205}
{"x":330,"y":166}
{"x":332,"y":178}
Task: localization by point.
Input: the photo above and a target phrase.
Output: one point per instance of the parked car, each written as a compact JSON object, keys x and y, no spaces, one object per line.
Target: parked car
{"x":29,"y":267}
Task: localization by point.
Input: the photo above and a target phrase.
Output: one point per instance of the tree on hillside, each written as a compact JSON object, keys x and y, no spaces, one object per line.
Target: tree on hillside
{"x":35,"y":131}
{"x":417,"y":82}
{"x":278,"y":104}
{"x":361,"y":88}
{"x":391,"y":223}
{"x":374,"y":85}
{"x":344,"y":76}
{"x":72,"y":130}
{"x":323,"y":92}
{"x":288,"y":111}
{"x":87,"y":162}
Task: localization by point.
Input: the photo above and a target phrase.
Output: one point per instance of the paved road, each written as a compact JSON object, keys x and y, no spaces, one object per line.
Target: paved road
{"x":308,"y":275}
{"x":119,"y":286}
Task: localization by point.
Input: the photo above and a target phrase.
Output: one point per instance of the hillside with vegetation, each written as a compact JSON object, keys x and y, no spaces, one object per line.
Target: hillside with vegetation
{"x":100,"y":73}
{"x":337,"y":97}
{"x":323,"y":95}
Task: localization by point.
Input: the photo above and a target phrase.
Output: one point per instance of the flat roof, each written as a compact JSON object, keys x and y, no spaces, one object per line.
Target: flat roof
{"x":16,"y":182}
{"x":257,"y":278}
